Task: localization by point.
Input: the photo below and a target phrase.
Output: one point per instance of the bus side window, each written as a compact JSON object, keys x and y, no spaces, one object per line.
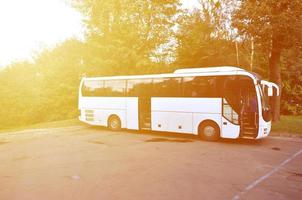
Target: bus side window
{"x":199,"y":86}
{"x":93,"y":88}
{"x":139,"y":87}
{"x":174,"y":87}
{"x":159,"y":86}
{"x":167,"y":87}
{"x":115,"y":88}
{"x":188,"y":91}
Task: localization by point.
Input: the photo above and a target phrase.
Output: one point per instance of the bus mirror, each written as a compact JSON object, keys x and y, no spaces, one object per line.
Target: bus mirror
{"x":270,"y":87}
{"x":274,"y":85}
{"x":270,"y":91}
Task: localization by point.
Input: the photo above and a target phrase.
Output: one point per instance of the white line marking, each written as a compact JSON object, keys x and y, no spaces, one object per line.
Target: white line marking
{"x":262,"y":178}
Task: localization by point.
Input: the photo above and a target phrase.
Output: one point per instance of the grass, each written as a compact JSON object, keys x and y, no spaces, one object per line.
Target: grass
{"x":288,"y":124}
{"x":54,"y":124}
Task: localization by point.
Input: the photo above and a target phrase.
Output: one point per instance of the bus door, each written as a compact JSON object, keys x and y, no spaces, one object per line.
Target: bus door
{"x":230,"y":107}
{"x":240,"y":98}
{"x":142,"y":88}
{"x":230,"y":121}
{"x":144,"y":112}
{"x":249,"y":110}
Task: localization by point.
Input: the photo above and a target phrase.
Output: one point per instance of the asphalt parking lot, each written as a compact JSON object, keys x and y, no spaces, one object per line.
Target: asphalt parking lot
{"x":94,"y":163}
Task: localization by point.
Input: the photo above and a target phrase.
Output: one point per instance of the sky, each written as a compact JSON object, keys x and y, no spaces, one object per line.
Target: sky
{"x":29,"y":26}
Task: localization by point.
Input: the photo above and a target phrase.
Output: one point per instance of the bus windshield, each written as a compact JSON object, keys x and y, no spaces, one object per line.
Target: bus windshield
{"x":264,"y":99}
{"x":266,"y":111}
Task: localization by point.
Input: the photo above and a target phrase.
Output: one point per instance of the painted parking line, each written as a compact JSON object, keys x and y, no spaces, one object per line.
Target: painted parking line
{"x":264,"y":177}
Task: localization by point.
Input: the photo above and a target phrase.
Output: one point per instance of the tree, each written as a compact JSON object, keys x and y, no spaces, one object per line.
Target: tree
{"x":122,"y":35}
{"x":193,"y":39}
{"x":45,"y":90}
{"x":291,"y":100}
{"x":275,"y":26}
{"x":202,"y":37}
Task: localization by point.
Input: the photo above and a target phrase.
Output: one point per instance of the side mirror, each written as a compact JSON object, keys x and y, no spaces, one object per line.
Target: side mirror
{"x":270,"y":91}
{"x":270,"y":87}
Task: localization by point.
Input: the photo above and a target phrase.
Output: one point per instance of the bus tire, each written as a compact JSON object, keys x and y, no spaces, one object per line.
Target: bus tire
{"x":114,"y":123}
{"x":209,"y":131}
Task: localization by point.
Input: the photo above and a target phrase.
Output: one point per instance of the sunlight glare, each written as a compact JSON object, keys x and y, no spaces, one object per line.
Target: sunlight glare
{"x":29,"y":26}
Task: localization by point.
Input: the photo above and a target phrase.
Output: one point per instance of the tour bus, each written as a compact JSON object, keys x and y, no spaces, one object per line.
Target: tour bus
{"x":215,"y":102}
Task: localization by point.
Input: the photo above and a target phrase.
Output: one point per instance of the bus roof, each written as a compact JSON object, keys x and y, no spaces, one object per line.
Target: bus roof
{"x":208,"y":71}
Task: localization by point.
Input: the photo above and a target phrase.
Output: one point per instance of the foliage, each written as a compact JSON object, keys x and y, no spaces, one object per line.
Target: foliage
{"x":42,"y":91}
{"x":292,"y":82}
{"x":265,"y":19}
{"x":197,"y":44}
{"x":123,"y":35}
{"x":275,"y":26}
{"x":138,"y":37}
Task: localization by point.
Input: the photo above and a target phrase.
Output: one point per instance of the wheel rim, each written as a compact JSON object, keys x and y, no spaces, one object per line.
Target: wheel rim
{"x":209,"y":131}
{"x":114,"y":124}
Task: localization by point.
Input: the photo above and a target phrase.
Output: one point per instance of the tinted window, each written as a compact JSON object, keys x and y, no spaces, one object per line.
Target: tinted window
{"x":99,"y":88}
{"x":93,"y":88}
{"x":199,"y":86}
{"x":139,"y":87}
{"x":240,"y":93}
{"x":167,"y":87}
{"x":115,"y":88}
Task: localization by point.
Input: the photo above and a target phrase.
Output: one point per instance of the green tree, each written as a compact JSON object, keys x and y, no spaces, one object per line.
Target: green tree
{"x":122,"y":35}
{"x":202,"y":37}
{"x":291,"y":100}
{"x":275,"y":26}
{"x":45,"y":90}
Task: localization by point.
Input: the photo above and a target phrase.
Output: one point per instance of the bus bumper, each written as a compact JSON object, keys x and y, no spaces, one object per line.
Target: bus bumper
{"x":264,"y":129}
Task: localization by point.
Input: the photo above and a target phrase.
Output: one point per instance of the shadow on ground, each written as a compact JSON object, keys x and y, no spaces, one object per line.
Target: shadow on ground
{"x":181,"y":138}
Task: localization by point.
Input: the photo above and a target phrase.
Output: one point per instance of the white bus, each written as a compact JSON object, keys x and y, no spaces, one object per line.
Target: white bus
{"x":216,"y":102}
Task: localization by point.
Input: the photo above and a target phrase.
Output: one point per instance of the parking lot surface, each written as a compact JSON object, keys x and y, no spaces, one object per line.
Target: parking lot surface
{"x":94,"y":163}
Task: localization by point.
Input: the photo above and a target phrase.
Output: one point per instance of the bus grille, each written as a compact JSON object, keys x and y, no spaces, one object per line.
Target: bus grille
{"x":89,"y":115}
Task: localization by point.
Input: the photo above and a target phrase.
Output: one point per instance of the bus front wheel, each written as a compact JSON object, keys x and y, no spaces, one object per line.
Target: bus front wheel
{"x":114,"y":123}
{"x":209,"y":131}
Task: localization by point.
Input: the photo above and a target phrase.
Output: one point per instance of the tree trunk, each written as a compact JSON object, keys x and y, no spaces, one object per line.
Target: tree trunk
{"x":275,"y":75}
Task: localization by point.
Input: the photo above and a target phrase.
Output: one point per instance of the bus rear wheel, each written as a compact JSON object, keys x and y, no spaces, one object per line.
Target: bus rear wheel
{"x":114,"y":123}
{"x":209,"y":131}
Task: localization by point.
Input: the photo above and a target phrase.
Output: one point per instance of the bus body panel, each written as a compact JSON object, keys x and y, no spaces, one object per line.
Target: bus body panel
{"x":101,"y":108}
{"x":184,"y":115}
{"x":264,"y":128}
{"x":229,"y":130}
{"x":132,"y":113}
{"x":180,"y":115}
{"x":126,"y":108}
{"x":101,"y":117}
{"x":178,"y":122}
{"x":113,"y":103}
{"x":192,"y":105}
